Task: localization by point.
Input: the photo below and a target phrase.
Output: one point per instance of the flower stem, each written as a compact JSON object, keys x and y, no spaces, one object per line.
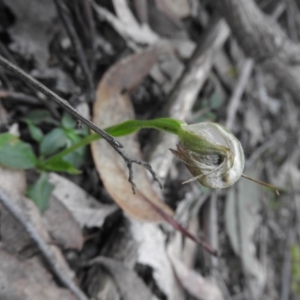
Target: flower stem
{"x":122,"y":129}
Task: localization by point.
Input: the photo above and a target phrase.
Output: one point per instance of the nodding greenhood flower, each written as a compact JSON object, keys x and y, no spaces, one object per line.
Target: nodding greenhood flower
{"x":212,"y":154}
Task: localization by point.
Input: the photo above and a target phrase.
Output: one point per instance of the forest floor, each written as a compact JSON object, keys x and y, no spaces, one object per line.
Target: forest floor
{"x":118,"y":60}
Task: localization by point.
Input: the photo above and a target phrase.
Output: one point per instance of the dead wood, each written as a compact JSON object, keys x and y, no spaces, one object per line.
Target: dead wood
{"x":262,"y":39}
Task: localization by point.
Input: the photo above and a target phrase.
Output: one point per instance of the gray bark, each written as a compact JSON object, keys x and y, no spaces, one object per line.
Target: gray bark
{"x":262,"y":39}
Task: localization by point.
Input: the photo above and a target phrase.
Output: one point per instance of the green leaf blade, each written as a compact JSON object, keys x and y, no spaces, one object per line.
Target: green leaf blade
{"x":16,"y":154}
{"x":53,"y":141}
{"x":35,"y":132}
{"x":40,"y":192}
{"x":59,"y":165}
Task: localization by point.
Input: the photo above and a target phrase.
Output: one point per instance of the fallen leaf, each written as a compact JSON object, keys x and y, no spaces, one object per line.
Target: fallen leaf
{"x":131,"y":287}
{"x":62,"y":226}
{"x":14,"y":238}
{"x":130,"y":30}
{"x":152,"y":252}
{"x":27,"y":280}
{"x":111,"y":107}
{"x":87,"y":211}
{"x":33,"y":28}
{"x":241,"y":213}
{"x":196,"y":285}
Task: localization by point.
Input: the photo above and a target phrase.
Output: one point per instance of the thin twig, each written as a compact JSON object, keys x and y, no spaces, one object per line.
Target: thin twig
{"x":60,"y":101}
{"x":19,"y":97}
{"x":67,"y":21}
{"x":42,"y":245}
{"x":92,"y":34}
{"x":91,"y":25}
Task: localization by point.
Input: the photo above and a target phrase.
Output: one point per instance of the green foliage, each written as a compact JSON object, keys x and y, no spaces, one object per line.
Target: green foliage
{"x":40,"y":192}
{"x":52,"y":142}
{"x":59,"y":165}
{"x":68,"y":122}
{"x":64,"y":137}
{"x":295,"y":254}
{"x":16,"y":154}
{"x":35,"y":132}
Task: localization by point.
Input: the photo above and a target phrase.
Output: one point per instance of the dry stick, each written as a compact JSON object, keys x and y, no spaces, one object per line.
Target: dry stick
{"x":67,"y":21}
{"x":60,"y":101}
{"x":19,"y":97}
{"x":42,"y":245}
{"x":92,"y":30}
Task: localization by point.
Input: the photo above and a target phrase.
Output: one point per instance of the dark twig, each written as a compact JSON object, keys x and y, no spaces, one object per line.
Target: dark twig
{"x":60,"y":101}
{"x":67,"y":21}
{"x":92,"y":29}
{"x":19,"y":97}
{"x":42,"y":245}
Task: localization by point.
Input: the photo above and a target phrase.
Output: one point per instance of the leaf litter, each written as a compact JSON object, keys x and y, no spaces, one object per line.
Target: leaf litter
{"x":33,"y":29}
{"x":279,"y":162}
{"x":15,"y":240}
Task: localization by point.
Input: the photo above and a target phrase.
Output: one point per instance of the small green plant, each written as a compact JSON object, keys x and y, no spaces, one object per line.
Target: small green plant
{"x":16,"y":154}
{"x":211,"y":153}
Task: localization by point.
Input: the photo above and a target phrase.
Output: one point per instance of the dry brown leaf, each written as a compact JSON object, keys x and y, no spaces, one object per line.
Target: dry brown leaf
{"x":86,"y":210}
{"x":27,"y":280}
{"x":111,"y":107}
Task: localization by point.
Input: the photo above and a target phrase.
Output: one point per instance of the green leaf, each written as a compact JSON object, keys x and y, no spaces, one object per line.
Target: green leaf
{"x":72,"y":136}
{"x":39,"y":116}
{"x":35,"y":132}
{"x":76,"y":158}
{"x":40,"y":192}
{"x":53,"y":141}
{"x":83,"y":131}
{"x":68,"y":122}
{"x":59,"y":165}
{"x":16,"y":154}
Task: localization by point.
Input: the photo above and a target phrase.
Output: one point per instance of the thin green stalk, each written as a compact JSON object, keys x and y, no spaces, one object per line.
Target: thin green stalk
{"x":122,"y":129}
